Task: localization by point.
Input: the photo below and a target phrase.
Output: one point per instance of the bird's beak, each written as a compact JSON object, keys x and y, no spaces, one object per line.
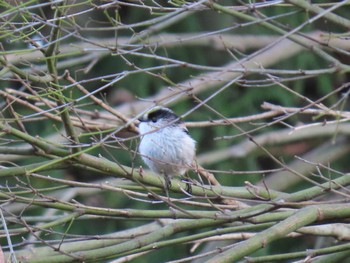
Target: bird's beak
{"x":141,"y":119}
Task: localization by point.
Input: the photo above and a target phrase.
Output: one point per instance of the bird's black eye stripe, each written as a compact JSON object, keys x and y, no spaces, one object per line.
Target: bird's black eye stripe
{"x":152,"y":116}
{"x":159,"y":114}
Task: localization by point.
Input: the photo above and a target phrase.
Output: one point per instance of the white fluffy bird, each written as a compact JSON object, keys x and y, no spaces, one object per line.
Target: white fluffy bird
{"x":166,"y":146}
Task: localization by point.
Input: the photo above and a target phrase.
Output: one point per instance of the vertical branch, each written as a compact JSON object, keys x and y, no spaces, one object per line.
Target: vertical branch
{"x":51,"y":62}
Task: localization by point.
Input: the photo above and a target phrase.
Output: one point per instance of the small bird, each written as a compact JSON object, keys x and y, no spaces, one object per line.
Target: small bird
{"x":166,"y":146}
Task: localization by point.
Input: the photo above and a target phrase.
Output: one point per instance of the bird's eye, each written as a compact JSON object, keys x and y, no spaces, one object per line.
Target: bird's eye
{"x":154,"y":119}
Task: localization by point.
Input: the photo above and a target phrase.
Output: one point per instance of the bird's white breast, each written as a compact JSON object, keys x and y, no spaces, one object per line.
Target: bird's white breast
{"x":166,"y":150}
